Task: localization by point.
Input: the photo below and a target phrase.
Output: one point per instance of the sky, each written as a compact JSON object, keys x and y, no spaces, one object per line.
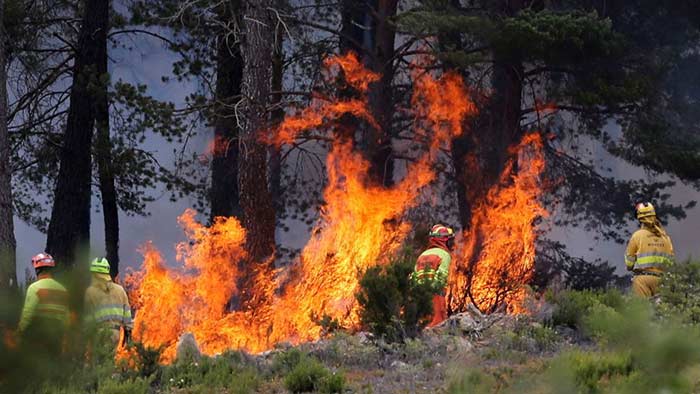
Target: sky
{"x":146,"y":64}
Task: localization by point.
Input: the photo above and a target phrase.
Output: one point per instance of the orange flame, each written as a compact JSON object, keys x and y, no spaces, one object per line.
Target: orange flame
{"x":322,"y":109}
{"x":498,"y":254}
{"x":360,"y":226}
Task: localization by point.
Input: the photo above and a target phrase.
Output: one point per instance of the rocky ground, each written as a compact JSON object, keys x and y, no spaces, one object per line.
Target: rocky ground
{"x":436,"y":360}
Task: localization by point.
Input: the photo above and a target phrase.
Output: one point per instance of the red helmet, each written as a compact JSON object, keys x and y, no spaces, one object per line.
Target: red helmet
{"x":441,"y":232}
{"x":43,"y":260}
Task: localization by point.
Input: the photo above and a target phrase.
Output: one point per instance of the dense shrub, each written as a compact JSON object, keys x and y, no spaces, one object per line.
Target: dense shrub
{"x":572,"y":306}
{"x":310,"y":375}
{"x":391,"y":306}
{"x":229,"y":370}
{"x":679,"y":292}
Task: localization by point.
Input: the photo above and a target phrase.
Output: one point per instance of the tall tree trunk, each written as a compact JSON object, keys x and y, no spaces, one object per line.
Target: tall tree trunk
{"x":352,"y":16}
{"x":110,"y":209}
{"x":258,"y":211}
{"x":8,"y":268}
{"x":366,"y":29}
{"x":69,"y":227}
{"x":274,"y":152}
{"x":381,"y":97}
{"x":224,"y":195}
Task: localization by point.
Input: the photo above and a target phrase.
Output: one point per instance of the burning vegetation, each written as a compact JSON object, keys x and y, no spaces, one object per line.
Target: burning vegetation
{"x":361,"y":225}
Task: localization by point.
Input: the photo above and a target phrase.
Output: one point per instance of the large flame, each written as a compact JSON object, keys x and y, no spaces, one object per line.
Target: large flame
{"x":360,"y":225}
{"x":498,"y":254}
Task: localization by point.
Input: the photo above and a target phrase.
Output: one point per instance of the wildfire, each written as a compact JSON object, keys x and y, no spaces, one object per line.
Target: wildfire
{"x":498,"y":254}
{"x":359,"y":226}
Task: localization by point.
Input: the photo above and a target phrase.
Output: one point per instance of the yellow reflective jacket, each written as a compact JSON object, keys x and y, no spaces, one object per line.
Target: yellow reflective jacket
{"x":107,"y":304}
{"x":649,"y":252}
{"x":433,"y":266}
{"x":46,"y":301}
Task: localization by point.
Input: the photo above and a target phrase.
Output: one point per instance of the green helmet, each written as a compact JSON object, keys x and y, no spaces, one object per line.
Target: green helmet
{"x":100,"y":265}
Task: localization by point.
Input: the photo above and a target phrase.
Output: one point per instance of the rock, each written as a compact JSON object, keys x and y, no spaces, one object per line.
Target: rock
{"x":399,"y":365}
{"x":187,"y":349}
{"x":459,"y":345}
{"x":364,"y":337}
{"x":460,"y":323}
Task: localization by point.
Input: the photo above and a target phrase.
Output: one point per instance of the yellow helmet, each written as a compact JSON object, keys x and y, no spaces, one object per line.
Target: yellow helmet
{"x":645,"y":209}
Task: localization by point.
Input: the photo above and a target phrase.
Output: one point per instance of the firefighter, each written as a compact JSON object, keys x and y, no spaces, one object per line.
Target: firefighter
{"x":433,"y":267}
{"x":106,"y":304}
{"x":649,"y":252}
{"x":45,"y":314}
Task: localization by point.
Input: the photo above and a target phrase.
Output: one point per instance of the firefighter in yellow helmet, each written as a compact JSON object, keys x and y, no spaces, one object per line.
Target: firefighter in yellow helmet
{"x":45,"y":314}
{"x":106,"y":303}
{"x":649,"y":252}
{"x":433,"y":267}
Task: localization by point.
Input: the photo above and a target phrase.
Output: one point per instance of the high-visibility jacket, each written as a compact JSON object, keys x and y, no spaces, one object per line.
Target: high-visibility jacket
{"x":107,"y":304}
{"x":46,"y":303}
{"x":433,"y":267}
{"x":649,"y":252}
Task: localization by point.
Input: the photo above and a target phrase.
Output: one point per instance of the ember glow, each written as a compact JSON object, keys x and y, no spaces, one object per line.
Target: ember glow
{"x":359,"y":226}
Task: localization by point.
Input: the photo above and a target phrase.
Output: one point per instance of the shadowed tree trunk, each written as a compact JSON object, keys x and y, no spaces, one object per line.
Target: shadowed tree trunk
{"x":224,"y":196}
{"x":366,"y":30}
{"x":108,"y":192}
{"x":275,"y":164}
{"x":8,"y":268}
{"x":381,"y":97}
{"x":256,"y":201}
{"x":69,"y":227}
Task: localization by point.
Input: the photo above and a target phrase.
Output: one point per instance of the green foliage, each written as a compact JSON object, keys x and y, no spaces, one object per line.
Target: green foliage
{"x":284,"y":362}
{"x":229,"y":370}
{"x":572,"y":306}
{"x":328,"y":324}
{"x":310,"y":375}
{"x":587,"y":369}
{"x":391,"y":306}
{"x":116,"y":386}
{"x":556,"y":37}
{"x":679,"y":294}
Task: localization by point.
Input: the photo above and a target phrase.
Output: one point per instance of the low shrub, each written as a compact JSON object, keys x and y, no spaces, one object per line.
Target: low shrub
{"x":571,"y":306}
{"x":131,"y":386}
{"x":310,"y":375}
{"x":229,"y":371}
{"x":391,"y":306}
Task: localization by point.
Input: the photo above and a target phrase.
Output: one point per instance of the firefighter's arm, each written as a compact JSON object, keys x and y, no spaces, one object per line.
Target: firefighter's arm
{"x":127,"y":320}
{"x":631,"y":252}
{"x":30,"y":303}
{"x":443,"y":271}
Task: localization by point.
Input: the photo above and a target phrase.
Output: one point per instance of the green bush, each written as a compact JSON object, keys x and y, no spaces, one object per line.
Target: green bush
{"x":679,"y":292}
{"x":391,"y":306}
{"x":571,"y":306}
{"x":310,"y":375}
{"x":131,"y":386}
{"x":284,"y":362}
{"x":228,"y":370}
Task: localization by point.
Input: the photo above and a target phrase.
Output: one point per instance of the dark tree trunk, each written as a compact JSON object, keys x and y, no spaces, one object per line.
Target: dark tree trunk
{"x":224,"y":195}
{"x":103,"y":150}
{"x":366,"y":30}
{"x":69,"y":227}
{"x":353,"y":14}
{"x":381,"y":97}
{"x":258,"y":211}
{"x":8,"y":268}
{"x":274,"y":152}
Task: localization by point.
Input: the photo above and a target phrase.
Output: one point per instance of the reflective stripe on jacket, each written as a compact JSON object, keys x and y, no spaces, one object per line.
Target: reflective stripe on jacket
{"x":106,"y":303}
{"x":433,"y":266}
{"x":46,"y":300}
{"x":648,"y":252}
